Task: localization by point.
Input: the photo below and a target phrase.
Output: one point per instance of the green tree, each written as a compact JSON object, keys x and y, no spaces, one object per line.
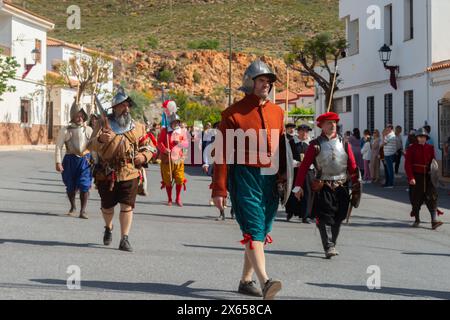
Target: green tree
{"x":322,"y":50}
{"x":8,"y":69}
{"x":142,"y":102}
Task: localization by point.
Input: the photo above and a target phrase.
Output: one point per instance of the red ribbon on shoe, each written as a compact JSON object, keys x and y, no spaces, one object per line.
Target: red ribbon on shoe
{"x":268,"y":240}
{"x":439,"y":212}
{"x":247,"y":238}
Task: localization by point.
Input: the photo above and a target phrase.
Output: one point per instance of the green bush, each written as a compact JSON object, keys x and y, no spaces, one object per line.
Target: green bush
{"x":302,"y":111}
{"x":197,"y":77}
{"x":142,"y":102}
{"x":152,"y":42}
{"x":204,"y":44}
{"x":166,"y":76}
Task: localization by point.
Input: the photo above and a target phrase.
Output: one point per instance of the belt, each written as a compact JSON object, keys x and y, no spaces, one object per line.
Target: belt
{"x":85,"y":152}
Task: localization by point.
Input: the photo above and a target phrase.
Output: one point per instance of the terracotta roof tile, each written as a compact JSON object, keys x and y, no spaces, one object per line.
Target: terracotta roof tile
{"x":439,"y":66}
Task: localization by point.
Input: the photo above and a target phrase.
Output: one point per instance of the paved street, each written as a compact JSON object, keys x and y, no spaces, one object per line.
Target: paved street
{"x":183,"y":253}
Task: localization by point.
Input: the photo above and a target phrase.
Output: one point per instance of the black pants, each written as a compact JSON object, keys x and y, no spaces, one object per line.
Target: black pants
{"x":303,"y":208}
{"x":331,"y":207}
{"x":397,"y":159}
{"x":423,"y":192}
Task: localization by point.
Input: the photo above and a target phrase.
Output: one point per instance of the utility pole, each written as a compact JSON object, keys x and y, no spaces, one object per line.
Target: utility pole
{"x":229,"y":76}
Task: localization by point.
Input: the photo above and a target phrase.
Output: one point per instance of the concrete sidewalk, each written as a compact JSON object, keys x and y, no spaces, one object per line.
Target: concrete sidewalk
{"x":38,"y":147}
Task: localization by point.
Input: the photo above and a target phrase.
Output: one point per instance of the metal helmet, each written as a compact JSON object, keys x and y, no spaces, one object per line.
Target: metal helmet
{"x":74,"y":109}
{"x":255,"y":69}
{"x":120,"y":97}
{"x":422,"y":132}
{"x":173,"y":117}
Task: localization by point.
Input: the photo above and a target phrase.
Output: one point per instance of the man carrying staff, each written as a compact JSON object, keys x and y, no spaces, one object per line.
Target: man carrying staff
{"x":253,"y":192}
{"x":335,"y":166}
{"x":418,"y":159}
{"x":76,"y":167}
{"x":121,"y":153}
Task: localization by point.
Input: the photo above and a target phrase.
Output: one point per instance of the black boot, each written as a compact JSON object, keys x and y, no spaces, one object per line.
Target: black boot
{"x":221,"y":216}
{"x":232,"y":213}
{"x":71,"y":196}
{"x":84,"y":198}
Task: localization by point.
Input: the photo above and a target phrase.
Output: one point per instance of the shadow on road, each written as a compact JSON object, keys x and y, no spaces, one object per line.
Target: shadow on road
{"x":43,"y":184}
{"x":410,"y":293}
{"x":194,"y":171}
{"x":31,"y":190}
{"x":175,"y":216}
{"x":52,"y":243}
{"x":152,"y":288}
{"x":174,"y":205}
{"x":427,"y":254}
{"x":43,"y":179}
{"x":32,"y":213}
{"x":309,"y":254}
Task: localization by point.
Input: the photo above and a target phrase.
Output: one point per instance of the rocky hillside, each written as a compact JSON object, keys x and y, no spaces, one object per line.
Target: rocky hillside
{"x":198,"y":73}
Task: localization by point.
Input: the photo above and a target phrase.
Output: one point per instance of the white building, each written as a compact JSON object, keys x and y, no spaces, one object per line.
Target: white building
{"x":62,"y":97}
{"x":417,"y":33}
{"x":22,"y":113}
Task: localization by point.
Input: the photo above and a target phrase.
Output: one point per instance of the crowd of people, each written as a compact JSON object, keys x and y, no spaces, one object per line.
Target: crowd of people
{"x":328,"y":170}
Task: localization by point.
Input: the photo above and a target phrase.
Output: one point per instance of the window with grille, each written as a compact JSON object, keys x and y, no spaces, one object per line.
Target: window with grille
{"x":409,"y":19}
{"x":388,"y":109}
{"x":338,"y":105}
{"x":25,"y":111}
{"x":409,"y":110}
{"x":353,"y":37}
{"x":348,"y":104}
{"x":371,"y":113}
{"x":388,"y":25}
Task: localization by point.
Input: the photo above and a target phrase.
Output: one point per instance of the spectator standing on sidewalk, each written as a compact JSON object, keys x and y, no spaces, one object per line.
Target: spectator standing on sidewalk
{"x":390,"y":148}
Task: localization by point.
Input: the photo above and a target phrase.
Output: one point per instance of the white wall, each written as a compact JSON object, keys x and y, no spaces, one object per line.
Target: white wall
{"x":366,"y":66}
{"x":440,"y":27}
{"x":29,"y":88}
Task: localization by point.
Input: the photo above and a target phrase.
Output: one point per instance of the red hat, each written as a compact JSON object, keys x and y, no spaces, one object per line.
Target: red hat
{"x":327,"y":117}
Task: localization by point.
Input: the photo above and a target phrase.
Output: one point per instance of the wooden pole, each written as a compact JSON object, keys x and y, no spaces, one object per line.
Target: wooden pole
{"x":332,"y":89}
{"x":286,"y":107}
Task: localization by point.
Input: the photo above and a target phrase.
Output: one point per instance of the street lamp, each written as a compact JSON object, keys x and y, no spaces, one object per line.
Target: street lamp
{"x":28,"y":66}
{"x":385,"y":56}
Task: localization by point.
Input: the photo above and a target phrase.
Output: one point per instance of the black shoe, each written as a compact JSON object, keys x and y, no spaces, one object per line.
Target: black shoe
{"x":306,"y":220}
{"x":289,"y":216}
{"x":271,"y":288}
{"x":107,"y":236}
{"x":249,"y":289}
{"x":125,"y":244}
